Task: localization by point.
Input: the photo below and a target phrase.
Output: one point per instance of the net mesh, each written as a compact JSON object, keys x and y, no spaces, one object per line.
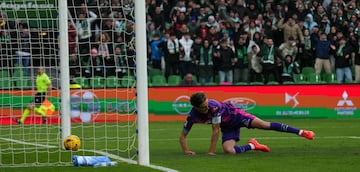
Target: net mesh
{"x":102,"y":58}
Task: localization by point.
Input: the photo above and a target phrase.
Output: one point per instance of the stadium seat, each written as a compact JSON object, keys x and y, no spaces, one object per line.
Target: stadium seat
{"x":174,"y":80}
{"x":18,"y":73}
{"x":241,"y":83}
{"x":5,"y":83}
{"x":349,"y":81}
{"x":330,"y":78}
{"x":216,"y":79}
{"x":314,"y":78}
{"x":158,"y":80}
{"x":112,"y":82}
{"x":195,"y":78}
{"x":272,"y":83}
{"x":128,"y":81}
{"x":97,"y":82}
{"x":256,"y":83}
{"x":298,"y":78}
{"x":211,"y":83}
{"x":288,"y":82}
{"x":84,"y":82}
{"x":272,"y":78}
{"x":23,"y":83}
{"x":153,"y":72}
{"x":4,"y":74}
{"x":307,"y":70}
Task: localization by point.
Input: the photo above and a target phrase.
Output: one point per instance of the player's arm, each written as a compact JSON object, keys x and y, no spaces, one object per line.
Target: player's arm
{"x":183,"y":144}
{"x":216,"y":120}
{"x":49,"y":85}
{"x":182,"y":139}
{"x":214,"y":138}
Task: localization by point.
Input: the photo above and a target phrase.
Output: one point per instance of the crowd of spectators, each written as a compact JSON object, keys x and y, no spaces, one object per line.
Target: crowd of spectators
{"x":253,"y":40}
{"x":232,"y":40}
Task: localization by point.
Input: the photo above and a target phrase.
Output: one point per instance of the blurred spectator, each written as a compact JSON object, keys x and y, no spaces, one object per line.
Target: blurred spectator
{"x":155,"y":51}
{"x":240,"y":8}
{"x":186,"y":59}
{"x":252,"y":11}
{"x":322,"y":53}
{"x":357,"y":59}
{"x":224,"y":59}
{"x":202,"y":31}
{"x":343,"y":61}
{"x":171,"y":55}
{"x":105,"y":51}
{"x":108,"y":27}
{"x":72,"y":34}
{"x":120,"y":62}
{"x":159,"y":19}
{"x":94,"y":65}
{"x":120,"y":22}
{"x":301,"y":12}
{"x":324,"y":25}
{"x":306,"y":53}
{"x":83,"y":28}
{"x":241,"y":68}
{"x":255,"y":73}
{"x":74,"y":63}
{"x":288,"y":48}
{"x":151,"y":31}
{"x":291,"y":29}
{"x":269,"y":60}
{"x":24,"y":50}
{"x":212,"y":23}
{"x":252,"y":29}
{"x":188,"y":80}
{"x":319,"y":13}
{"x":309,"y":22}
{"x":204,"y":62}
{"x":289,"y":68}
{"x":193,"y":25}
{"x":5,"y":52}
{"x":213,"y":34}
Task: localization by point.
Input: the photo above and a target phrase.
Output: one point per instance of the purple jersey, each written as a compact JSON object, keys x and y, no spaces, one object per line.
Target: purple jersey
{"x":224,"y":113}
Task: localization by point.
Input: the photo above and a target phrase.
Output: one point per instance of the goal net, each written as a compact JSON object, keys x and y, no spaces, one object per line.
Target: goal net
{"x":102,"y":74}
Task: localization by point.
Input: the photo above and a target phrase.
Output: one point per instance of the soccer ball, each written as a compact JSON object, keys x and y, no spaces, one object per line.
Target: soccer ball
{"x":72,"y":142}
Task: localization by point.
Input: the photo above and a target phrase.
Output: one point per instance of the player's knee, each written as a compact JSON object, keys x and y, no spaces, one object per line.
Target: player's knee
{"x":229,"y":150}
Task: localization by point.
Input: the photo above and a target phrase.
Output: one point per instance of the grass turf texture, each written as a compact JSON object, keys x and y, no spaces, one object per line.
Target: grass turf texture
{"x":334,"y":149}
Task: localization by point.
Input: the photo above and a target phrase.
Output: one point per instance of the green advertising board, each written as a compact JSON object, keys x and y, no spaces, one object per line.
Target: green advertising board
{"x":37,"y":13}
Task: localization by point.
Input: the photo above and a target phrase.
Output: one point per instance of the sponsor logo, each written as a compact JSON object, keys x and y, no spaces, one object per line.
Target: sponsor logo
{"x":291,"y":99}
{"x":84,"y":104}
{"x":345,"y":106}
{"x":242,"y":102}
{"x":182,"y":105}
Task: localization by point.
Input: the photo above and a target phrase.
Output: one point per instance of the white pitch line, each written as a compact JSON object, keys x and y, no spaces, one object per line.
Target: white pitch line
{"x":161,"y":168}
{"x":28,"y":143}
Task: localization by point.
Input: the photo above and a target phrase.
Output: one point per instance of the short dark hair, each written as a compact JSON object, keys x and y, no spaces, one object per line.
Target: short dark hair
{"x":197,"y":99}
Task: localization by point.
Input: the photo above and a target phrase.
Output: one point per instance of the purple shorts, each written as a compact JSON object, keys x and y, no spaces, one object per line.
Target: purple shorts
{"x":232,"y":132}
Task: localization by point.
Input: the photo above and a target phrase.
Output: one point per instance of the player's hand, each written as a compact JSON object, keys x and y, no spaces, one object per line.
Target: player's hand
{"x":189,"y":153}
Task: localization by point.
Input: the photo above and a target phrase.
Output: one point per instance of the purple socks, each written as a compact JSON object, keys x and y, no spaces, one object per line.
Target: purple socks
{"x":283,"y":128}
{"x":242,"y":149}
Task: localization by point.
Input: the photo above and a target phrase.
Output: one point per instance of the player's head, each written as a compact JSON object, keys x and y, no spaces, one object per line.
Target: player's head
{"x":199,"y":101}
{"x":41,"y":70}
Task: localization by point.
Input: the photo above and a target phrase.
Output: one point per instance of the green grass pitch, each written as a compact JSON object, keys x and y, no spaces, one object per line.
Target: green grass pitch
{"x":336,"y":148}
